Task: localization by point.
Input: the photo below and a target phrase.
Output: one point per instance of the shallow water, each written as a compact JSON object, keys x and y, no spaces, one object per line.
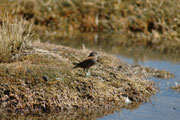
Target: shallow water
{"x":164,"y":105}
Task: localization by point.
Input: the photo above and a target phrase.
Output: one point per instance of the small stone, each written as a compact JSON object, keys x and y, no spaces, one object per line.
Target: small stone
{"x":45,"y":78}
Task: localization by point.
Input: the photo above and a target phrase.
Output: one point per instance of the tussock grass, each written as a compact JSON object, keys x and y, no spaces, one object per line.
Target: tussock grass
{"x":15,"y":36}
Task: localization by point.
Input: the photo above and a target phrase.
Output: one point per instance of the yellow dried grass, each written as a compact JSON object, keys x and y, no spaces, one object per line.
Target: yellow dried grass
{"x":15,"y":36}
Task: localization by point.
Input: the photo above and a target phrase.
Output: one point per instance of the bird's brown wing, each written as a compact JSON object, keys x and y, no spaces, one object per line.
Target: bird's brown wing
{"x":88,"y":62}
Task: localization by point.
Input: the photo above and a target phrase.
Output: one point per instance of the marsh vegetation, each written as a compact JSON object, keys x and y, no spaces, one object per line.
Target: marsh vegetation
{"x":38,"y":77}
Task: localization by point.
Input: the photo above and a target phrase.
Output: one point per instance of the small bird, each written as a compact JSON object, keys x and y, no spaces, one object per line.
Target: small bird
{"x":88,"y":62}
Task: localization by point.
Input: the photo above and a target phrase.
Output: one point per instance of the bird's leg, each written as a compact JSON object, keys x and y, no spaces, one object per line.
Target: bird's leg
{"x":87,"y":72}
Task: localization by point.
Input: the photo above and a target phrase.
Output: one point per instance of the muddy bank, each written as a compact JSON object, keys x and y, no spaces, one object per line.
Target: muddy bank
{"x":176,"y":88}
{"x":42,"y":80}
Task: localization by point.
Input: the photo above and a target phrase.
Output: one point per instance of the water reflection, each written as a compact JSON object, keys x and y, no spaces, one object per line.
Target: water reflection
{"x":70,"y":114}
{"x":117,"y":44}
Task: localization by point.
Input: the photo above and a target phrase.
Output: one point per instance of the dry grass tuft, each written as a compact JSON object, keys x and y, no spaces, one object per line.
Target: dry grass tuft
{"x":15,"y":36}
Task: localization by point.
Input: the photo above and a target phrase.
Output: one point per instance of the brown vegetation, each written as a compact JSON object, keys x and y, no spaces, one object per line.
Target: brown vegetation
{"x":15,"y":36}
{"x":155,"y":23}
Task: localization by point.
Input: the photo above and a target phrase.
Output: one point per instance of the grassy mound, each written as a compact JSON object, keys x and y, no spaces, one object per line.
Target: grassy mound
{"x":43,"y":80}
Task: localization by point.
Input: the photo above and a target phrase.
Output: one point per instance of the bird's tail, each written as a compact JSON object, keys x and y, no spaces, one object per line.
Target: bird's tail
{"x":76,"y":65}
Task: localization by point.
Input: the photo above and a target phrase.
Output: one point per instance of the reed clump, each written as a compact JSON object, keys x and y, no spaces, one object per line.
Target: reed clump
{"x":15,"y":37}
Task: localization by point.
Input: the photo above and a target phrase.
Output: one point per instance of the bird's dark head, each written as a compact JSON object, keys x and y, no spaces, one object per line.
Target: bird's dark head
{"x":92,"y":54}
